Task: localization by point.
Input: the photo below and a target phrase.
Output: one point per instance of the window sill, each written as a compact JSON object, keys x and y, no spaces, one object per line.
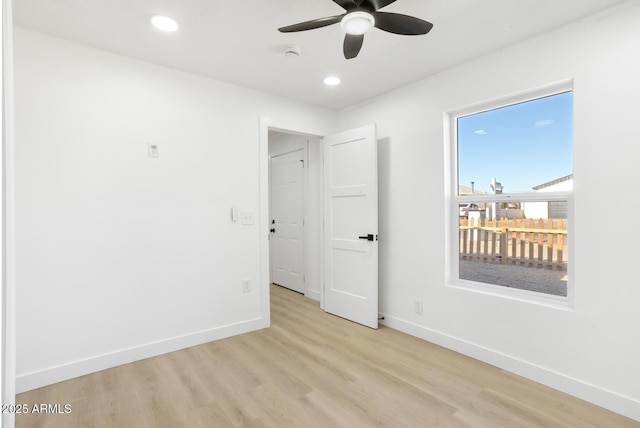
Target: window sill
{"x":514,"y":294}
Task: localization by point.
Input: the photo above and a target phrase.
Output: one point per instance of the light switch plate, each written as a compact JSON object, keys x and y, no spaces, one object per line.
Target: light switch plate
{"x":153,"y":150}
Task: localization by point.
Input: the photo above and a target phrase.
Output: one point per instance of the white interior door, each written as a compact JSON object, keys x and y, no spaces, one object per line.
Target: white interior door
{"x":287,"y":229}
{"x":351,"y":225}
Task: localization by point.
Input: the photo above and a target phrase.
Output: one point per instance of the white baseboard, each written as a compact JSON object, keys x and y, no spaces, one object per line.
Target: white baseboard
{"x":313,"y":294}
{"x":33,"y":380}
{"x":610,"y":400}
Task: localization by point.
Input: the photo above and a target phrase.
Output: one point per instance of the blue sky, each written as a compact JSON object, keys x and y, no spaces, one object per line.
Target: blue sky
{"x":522,"y":145}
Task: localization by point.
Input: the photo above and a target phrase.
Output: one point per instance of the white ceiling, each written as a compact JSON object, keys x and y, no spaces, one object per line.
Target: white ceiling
{"x":237,"y":40}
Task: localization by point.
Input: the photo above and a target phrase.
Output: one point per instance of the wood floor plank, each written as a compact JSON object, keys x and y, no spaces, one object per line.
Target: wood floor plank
{"x":312,"y":369}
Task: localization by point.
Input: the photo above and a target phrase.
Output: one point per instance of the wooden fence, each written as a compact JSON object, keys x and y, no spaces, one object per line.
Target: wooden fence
{"x":524,"y":242}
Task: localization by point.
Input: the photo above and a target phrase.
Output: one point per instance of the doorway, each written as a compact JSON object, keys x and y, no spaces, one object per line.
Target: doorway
{"x":339,"y":222}
{"x":295,"y":212}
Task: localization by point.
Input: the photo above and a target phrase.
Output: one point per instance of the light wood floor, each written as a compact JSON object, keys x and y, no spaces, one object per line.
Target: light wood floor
{"x":311,"y":369}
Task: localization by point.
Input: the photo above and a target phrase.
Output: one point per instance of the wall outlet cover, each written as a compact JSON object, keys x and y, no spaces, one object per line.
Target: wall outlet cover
{"x":247,"y":217}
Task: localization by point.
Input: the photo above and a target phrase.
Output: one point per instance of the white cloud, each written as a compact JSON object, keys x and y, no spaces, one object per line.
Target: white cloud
{"x":543,"y":123}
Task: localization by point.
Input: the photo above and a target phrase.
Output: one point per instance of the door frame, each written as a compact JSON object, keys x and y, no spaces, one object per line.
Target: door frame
{"x":288,"y":126}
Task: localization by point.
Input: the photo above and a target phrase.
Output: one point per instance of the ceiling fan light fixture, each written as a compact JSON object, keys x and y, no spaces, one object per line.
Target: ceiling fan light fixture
{"x":164,"y":23}
{"x":357,"y":23}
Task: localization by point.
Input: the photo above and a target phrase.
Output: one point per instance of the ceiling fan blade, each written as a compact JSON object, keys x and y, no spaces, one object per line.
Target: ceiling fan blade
{"x":401,"y":24}
{"x":352,"y":45}
{"x":313,"y":24}
{"x":346,"y":4}
{"x":375,"y":4}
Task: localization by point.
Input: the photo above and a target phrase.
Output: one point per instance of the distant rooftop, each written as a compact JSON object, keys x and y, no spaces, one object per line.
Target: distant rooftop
{"x":550,"y":183}
{"x":466,"y":191}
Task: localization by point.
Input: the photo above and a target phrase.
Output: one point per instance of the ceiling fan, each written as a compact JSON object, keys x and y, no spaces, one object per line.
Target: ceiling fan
{"x":360,"y":17}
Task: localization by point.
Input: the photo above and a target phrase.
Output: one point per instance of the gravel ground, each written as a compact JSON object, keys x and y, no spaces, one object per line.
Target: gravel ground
{"x":525,"y":278}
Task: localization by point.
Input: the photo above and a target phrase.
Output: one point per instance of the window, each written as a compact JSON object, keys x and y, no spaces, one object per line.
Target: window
{"x":512,"y":185}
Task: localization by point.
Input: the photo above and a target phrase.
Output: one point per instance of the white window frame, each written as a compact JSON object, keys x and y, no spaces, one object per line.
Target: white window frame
{"x":452,"y":265}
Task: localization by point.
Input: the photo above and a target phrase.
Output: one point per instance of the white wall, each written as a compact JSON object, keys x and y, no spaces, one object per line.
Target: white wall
{"x":121,"y":256}
{"x":536,"y":209}
{"x":592,"y":351}
{"x":281,"y":143}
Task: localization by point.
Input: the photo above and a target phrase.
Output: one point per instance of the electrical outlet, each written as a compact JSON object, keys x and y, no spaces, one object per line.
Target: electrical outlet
{"x":417,"y":306}
{"x":247,"y":217}
{"x":246,"y":285}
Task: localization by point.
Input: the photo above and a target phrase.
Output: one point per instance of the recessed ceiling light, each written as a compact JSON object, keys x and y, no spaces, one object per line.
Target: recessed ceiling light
{"x":164,"y":23}
{"x":331,"y":81}
{"x":357,"y":23}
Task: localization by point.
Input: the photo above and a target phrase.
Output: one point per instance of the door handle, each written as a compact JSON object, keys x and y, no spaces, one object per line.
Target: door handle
{"x":368,"y":237}
{"x":273,"y":231}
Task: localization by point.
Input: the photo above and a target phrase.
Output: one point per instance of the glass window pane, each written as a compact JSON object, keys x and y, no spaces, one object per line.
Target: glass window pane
{"x":513,"y":249}
{"x":516,"y":148}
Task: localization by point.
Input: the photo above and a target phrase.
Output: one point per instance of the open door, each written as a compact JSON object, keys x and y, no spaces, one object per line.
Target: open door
{"x":351,"y":225}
